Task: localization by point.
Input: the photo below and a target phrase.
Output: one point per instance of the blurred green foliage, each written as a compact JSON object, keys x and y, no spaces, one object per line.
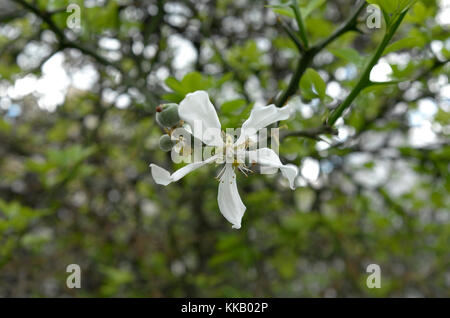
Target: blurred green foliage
{"x":75,"y":186}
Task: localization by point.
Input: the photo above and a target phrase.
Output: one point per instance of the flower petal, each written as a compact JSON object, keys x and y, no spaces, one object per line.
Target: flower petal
{"x":230,"y":203}
{"x":163,"y":177}
{"x":263,"y":116}
{"x":268,"y":158}
{"x":197,"y":110}
{"x":290,"y":172}
{"x":160,"y":175}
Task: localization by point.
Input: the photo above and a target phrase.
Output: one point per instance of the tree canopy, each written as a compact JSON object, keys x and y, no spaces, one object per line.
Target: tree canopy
{"x":80,"y":82}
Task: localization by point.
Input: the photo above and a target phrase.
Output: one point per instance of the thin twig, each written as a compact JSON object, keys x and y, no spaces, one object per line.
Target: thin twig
{"x":313,"y":133}
{"x":64,"y":42}
{"x":364,"y":80}
{"x":309,"y":54}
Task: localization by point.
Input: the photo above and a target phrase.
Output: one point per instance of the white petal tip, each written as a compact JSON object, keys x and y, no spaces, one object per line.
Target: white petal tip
{"x":230,"y":203}
{"x":160,"y":175}
{"x":290,"y":172}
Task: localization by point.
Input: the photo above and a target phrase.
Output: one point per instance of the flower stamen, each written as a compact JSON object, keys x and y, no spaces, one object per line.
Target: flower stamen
{"x":222,"y":171}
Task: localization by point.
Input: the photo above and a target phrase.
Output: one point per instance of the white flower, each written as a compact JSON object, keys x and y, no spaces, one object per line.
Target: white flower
{"x":197,"y":110}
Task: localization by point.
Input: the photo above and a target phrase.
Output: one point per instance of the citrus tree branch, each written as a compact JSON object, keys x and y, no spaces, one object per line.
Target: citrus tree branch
{"x":309,"y":53}
{"x":364,"y":80}
{"x":292,"y":35}
{"x":64,"y":42}
{"x":313,"y":133}
{"x":300,"y":24}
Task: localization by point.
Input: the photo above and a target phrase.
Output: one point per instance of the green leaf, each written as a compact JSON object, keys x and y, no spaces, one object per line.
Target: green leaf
{"x":288,"y":12}
{"x":228,"y":108}
{"x":378,"y":86}
{"x":174,"y":84}
{"x":312,"y":85}
{"x":403,"y":72}
{"x":418,"y":14}
{"x":102,"y":17}
{"x":446,"y":53}
{"x":393,"y":6}
{"x":369,"y":165}
{"x":405,"y":43}
{"x":404,"y":5}
{"x":350,"y":55}
{"x":195,"y":81}
{"x":191,"y":82}
{"x":286,"y":9}
{"x":311,"y":6}
{"x":16,"y":217}
{"x":387,"y":5}
{"x":443,"y":117}
{"x":246,"y":58}
{"x":4,"y":126}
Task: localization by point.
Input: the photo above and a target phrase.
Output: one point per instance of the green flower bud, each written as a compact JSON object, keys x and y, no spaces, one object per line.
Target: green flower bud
{"x":167,"y":115}
{"x":166,"y":143}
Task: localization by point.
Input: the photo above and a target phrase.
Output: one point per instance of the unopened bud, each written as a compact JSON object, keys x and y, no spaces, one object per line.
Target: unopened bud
{"x":168,"y":116}
{"x":165,"y":143}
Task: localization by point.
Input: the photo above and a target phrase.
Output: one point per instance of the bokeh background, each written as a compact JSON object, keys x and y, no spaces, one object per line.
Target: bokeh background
{"x":77,"y":133}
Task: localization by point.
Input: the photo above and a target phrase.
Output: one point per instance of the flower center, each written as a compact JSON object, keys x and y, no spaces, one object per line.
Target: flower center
{"x":232,"y":153}
{"x":229,"y":147}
